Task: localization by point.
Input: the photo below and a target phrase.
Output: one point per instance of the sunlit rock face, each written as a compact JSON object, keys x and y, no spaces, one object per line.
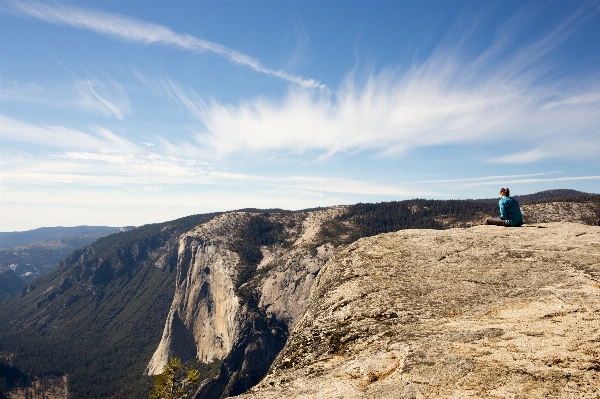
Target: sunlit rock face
{"x":201,"y":322}
{"x":486,"y":312}
{"x":213,"y":314}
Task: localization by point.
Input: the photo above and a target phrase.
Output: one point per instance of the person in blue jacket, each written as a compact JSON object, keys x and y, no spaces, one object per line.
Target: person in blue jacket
{"x":510,"y":213}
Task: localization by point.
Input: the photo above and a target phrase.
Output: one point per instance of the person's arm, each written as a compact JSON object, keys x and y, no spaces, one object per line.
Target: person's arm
{"x":503,"y":213}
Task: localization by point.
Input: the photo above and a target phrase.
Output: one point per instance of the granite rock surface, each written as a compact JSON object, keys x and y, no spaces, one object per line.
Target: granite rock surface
{"x":485,"y":312}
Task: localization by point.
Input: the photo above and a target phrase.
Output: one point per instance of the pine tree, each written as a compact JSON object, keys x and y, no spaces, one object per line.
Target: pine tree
{"x":168,"y":385}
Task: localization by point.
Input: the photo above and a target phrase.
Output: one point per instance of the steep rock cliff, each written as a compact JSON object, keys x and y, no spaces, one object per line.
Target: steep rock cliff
{"x":229,"y":309}
{"x":244,"y":279}
{"x":201,"y":321}
{"x":486,"y":312}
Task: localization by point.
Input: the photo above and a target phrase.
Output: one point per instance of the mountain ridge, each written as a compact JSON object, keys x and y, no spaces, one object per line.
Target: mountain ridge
{"x":16,"y":238}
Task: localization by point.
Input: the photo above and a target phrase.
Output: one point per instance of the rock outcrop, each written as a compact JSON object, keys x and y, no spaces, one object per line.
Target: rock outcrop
{"x":486,"y":312}
{"x":218,"y":313}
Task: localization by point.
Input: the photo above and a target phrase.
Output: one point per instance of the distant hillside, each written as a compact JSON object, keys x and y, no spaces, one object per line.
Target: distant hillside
{"x":15,"y":238}
{"x":29,"y":260}
{"x":554,"y":195}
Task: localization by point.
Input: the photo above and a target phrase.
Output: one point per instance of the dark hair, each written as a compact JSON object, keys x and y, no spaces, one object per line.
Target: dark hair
{"x":505,"y":191}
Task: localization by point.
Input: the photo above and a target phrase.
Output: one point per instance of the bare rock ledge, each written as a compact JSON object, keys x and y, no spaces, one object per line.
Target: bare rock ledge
{"x":486,"y":312}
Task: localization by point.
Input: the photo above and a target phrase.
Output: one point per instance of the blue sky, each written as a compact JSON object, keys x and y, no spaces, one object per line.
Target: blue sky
{"x":130,"y":112}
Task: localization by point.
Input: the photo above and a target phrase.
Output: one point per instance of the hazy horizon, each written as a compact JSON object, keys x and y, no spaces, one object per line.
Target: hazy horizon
{"x":229,"y":210}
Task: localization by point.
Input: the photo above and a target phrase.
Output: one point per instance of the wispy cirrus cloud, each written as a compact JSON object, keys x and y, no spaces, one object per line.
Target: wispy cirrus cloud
{"x":521,"y":157}
{"x":118,"y":169}
{"x":476,"y":179}
{"x":96,"y":96}
{"x":352,"y":186}
{"x":489,"y":99}
{"x":508,"y":95}
{"x":63,"y":137}
{"x":530,"y":181}
{"x":173,"y":92}
{"x":106,"y":97}
{"x":395,"y":114}
{"x":135,"y":30}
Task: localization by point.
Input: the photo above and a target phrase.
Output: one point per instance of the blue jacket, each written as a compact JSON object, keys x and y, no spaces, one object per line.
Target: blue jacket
{"x":510,"y":211}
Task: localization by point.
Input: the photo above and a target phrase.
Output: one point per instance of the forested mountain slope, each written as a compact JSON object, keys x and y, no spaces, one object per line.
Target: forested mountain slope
{"x":547,"y":195}
{"x":99,"y":314}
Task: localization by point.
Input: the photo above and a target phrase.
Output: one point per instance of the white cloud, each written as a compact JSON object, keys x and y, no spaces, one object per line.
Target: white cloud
{"x":90,"y":97}
{"x":529,"y":181}
{"x":106,"y":97}
{"x":176,"y":94}
{"x":494,"y":99}
{"x":508,"y":97}
{"x":521,"y":157}
{"x":62,"y":137}
{"x":29,"y":92}
{"x":107,"y":168}
{"x":393,"y":114}
{"x":134,"y":30}
{"x":351,"y":186}
{"x":507,"y":177}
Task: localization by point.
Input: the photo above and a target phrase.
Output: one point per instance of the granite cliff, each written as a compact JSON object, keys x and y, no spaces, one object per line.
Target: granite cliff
{"x":486,"y":312}
{"x":228,"y":309}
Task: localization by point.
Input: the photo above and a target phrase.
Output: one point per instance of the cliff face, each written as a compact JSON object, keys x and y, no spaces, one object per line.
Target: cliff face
{"x":285,"y":290}
{"x":239,"y":313}
{"x":486,"y":312}
{"x":201,"y":322}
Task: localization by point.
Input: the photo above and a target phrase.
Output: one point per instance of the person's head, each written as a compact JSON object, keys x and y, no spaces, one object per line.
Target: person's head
{"x":505,"y":192}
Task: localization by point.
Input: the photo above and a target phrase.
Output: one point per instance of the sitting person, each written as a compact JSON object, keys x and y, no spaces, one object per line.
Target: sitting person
{"x":510,"y":213}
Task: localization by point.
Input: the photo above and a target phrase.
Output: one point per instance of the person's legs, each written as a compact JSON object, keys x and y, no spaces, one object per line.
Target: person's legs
{"x":495,"y":221}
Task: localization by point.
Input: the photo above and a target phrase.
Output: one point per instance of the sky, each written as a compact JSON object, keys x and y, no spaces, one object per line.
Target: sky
{"x":123,"y":113}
